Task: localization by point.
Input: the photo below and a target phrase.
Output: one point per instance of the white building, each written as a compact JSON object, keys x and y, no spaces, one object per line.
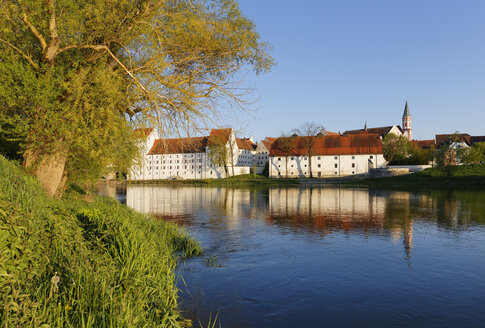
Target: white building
{"x":246,"y":150}
{"x":261,"y":154}
{"x":190,"y":158}
{"x":331,"y":156}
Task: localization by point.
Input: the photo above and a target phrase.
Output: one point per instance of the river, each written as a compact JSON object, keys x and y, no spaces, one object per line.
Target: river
{"x":326,"y":257}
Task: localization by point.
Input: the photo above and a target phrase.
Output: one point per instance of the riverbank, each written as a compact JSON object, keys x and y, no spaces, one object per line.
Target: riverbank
{"x":449,"y":177}
{"x":84,"y":261}
{"x":250,"y":180}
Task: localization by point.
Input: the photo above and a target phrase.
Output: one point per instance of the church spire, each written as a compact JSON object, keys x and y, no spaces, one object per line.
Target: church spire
{"x":406,"y":110}
{"x":406,"y":122}
{"x":365,"y":126}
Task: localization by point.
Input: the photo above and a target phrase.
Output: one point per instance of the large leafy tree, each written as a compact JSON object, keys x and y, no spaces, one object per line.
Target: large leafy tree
{"x":395,"y":147}
{"x":77,"y":76}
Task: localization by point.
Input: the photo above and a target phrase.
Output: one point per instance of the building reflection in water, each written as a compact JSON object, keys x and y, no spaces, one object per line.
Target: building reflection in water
{"x":313,"y":210}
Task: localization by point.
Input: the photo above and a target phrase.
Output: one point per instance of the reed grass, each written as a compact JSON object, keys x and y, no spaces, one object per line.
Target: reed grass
{"x":78,"y":263}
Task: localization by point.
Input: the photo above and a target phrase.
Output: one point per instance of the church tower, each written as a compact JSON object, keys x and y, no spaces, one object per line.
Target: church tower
{"x":406,"y":123}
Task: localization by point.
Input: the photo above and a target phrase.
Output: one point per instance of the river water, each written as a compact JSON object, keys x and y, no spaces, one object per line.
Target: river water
{"x":326,"y":257}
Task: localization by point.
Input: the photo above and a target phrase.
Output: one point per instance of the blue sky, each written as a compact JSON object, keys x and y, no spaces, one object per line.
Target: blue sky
{"x":343,"y":62}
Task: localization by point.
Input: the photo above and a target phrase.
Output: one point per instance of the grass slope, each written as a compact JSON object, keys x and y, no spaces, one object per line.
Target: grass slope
{"x":73,"y":263}
{"x":461,"y":176}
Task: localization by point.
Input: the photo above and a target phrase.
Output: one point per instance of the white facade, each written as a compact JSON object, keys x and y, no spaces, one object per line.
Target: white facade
{"x":261,"y":155}
{"x":183,"y":165}
{"x":395,"y":130}
{"x":324,"y":166}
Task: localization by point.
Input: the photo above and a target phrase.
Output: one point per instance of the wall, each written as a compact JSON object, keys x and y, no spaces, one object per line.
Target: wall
{"x":325,"y":166}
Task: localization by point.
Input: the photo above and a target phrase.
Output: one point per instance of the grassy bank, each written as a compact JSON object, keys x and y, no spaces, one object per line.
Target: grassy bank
{"x":457,"y":177}
{"x":248,"y":180}
{"x":78,"y":263}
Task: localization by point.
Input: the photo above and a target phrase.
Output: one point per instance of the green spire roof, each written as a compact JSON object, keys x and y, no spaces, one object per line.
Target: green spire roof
{"x":406,"y":110}
{"x":365,"y":126}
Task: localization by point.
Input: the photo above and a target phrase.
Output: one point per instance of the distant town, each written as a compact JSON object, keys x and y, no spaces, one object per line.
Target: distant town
{"x":327,"y":154}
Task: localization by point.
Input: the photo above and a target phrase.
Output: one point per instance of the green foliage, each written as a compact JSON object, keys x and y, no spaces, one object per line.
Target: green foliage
{"x":474,"y":154}
{"x":442,"y":177}
{"x":115,"y":267}
{"x":398,"y":150}
{"x":395,"y":147}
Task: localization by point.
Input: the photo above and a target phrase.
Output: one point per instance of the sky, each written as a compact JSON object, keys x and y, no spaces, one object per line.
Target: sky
{"x":343,"y":62}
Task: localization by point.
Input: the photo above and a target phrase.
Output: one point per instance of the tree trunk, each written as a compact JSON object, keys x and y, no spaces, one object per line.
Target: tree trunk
{"x":49,"y":170}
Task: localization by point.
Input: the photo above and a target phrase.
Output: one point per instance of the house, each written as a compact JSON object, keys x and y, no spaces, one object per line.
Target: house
{"x":261,"y":156}
{"x":455,"y":142}
{"x":208,"y":157}
{"x":331,"y":155}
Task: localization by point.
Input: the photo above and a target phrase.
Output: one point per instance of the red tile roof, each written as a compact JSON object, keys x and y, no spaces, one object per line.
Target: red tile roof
{"x":268,"y":142}
{"x":423,"y":144}
{"x":331,"y":145}
{"x":475,"y":139}
{"x":381,"y":131}
{"x":224,"y":134}
{"x":179,"y":146}
{"x":246,"y":144}
{"x":442,"y":138}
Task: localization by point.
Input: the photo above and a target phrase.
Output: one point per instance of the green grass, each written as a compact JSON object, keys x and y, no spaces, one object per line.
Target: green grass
{"x":458,"y":177}
{"x":115,"y":266}
{"x":247,"y":180}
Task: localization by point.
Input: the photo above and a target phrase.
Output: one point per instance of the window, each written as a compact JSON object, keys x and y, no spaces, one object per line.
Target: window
{"x":353,"y":165}
{"x":335,"y":158}
{"x":335,"y":172}
{"x":319,"y":158}
{"x":279,"y":158}
{"x":305,"y":165}
{"x":353,"y":172}
{"x":319,"y":165}
{"x":336,"y":165}
{"x":371,"y":157}
{"x":353,"y":157}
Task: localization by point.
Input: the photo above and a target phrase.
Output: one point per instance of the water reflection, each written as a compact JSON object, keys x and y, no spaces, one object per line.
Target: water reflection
{"x":300,"y":257}
{"x":316,"y":210}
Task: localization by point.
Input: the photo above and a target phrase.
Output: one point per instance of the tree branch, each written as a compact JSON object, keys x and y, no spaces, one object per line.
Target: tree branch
{"x":34,"y":31}
{"x":51,"y":51}
{"x":23,"y":54}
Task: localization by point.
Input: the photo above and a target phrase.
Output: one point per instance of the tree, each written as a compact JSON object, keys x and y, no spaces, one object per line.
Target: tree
{"x":308,"y":131}
{"x":474,"y":154}
{"x":78,"y":76}
{"x":218,"y":152}
{"x":286,"y":145}
{"x":395,"y":147}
